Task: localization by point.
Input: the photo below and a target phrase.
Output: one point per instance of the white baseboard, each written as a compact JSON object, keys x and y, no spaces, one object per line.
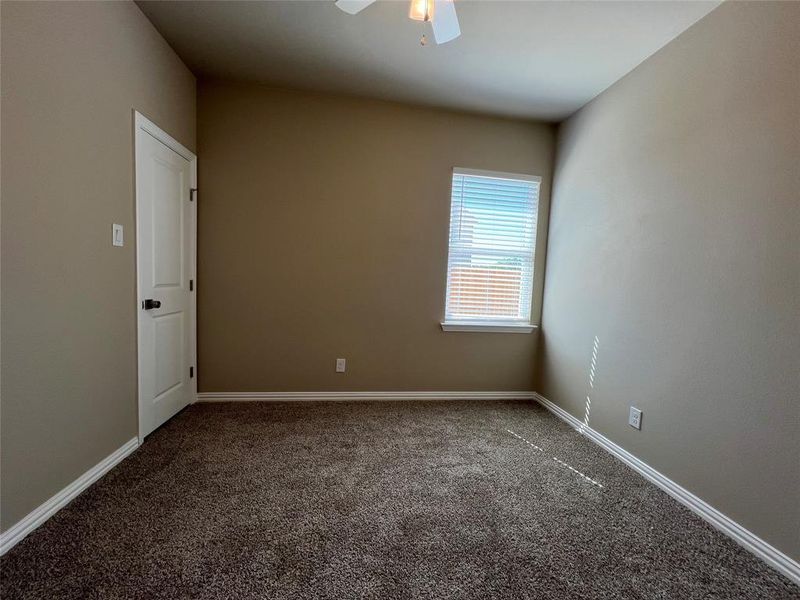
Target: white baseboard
{"x":750,"y":541}
{"x":344,"y":396}
{"x":15,"y":533}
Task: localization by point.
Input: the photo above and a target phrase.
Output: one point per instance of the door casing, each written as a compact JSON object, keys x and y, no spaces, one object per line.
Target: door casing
{"x":144,"y":126}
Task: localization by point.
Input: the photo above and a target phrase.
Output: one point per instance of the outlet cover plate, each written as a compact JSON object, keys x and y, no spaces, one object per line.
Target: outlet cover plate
{"x":635,"y":418}
{"x":341,"y":365}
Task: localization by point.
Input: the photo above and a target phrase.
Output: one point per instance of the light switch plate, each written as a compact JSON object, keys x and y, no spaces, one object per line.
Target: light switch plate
{"x":116,"y":235}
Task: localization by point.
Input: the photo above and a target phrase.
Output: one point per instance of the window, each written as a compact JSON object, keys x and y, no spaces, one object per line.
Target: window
{"x":492,"y":241}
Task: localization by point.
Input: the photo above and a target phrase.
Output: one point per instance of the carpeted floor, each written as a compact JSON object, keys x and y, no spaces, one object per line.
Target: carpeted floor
{"x":378,"y":500}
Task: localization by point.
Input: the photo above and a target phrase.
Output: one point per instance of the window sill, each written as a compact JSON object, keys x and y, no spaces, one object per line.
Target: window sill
{"x":488,"y":327}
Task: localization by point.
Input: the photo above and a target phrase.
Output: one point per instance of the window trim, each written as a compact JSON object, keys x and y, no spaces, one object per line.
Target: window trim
{"x":494,"y":175}
{"x":485,"y":325}
{"x":488,"y":326}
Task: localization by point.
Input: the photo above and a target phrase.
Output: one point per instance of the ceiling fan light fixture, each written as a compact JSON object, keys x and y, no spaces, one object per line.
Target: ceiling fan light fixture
{"x":445,"y":27}
{"x":421,"y":10}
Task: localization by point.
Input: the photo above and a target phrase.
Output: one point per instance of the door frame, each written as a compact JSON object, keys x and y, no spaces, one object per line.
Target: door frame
{"x":144,"y":126}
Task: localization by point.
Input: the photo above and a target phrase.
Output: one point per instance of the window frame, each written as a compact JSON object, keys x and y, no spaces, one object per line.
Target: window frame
{"x":494,"y":325}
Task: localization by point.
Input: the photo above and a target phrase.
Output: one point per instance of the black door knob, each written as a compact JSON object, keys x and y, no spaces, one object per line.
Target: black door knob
{"x":150,"y":304}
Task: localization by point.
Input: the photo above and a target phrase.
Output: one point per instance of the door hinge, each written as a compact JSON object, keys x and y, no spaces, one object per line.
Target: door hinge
{"x":191,"y":372}
{"x":191,"y":285}
{"x":192,"y":194}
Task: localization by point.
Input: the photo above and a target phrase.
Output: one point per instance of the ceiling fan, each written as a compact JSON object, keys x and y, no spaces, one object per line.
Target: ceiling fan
{"x":440,"y":13}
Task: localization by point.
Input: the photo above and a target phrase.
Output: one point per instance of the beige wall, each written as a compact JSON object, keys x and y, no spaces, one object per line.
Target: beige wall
{"x":72,"y":73}
{"x":323,"y":226}
{"x":675,"y":239}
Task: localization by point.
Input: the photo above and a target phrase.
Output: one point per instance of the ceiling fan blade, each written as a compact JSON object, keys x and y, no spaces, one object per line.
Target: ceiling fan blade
{"x":445,"y":21}
{"x":353,"y":6}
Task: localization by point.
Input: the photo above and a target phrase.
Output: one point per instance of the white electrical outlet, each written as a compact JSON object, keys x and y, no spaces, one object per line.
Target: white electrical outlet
{"x":341,"y":364}
{"x":635,"y":418}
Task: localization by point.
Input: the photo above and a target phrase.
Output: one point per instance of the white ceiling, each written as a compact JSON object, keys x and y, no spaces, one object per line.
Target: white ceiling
{"x":540,"y":60}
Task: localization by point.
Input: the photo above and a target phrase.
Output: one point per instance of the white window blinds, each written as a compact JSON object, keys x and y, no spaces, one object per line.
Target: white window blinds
{"x":492,"y":241}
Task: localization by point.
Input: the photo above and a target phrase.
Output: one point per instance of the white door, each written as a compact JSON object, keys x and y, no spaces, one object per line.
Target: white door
{"x":165,"y":254}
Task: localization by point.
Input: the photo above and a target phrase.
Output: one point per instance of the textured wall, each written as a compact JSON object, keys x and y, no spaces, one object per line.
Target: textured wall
{"x":323,"y":226}
{"x":72,"y":73}
{"x":674,"y":239}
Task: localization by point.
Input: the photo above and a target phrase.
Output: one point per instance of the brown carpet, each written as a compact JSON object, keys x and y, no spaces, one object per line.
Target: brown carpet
{"x":378,"y":500}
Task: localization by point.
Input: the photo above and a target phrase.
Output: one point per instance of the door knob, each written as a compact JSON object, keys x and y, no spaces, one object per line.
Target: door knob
{"x":150,"y":304}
